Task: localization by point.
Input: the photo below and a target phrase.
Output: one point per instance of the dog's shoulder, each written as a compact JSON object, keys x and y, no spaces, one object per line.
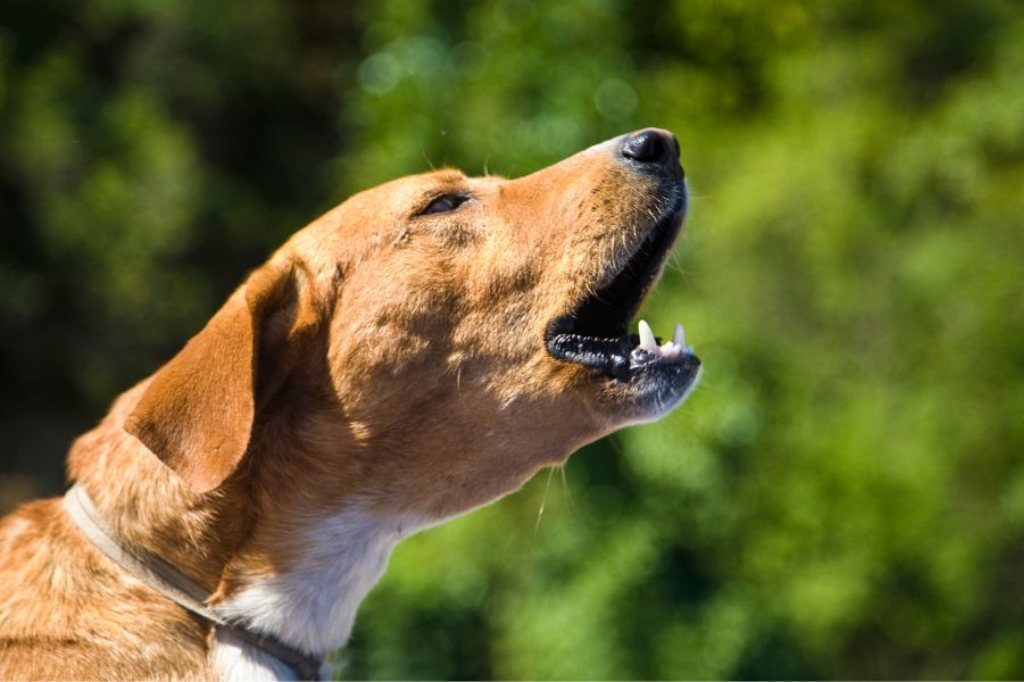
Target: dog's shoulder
{"x":67,"y":609}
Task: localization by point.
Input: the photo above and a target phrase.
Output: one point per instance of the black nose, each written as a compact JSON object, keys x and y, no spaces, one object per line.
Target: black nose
{"x":653,"y":146}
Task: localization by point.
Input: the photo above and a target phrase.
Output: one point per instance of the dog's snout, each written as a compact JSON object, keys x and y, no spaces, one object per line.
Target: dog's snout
{"x":652,"y":146}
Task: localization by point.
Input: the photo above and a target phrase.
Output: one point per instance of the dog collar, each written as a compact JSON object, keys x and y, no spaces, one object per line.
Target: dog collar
{"x":175,"y":585}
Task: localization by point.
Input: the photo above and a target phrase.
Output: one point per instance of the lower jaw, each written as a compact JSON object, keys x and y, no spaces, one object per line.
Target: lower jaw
{"x":651,"y":390}
{"x":638,"y":385}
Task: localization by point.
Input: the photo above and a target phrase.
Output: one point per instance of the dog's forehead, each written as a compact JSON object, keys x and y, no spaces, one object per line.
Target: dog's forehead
{"x":413,"y":187}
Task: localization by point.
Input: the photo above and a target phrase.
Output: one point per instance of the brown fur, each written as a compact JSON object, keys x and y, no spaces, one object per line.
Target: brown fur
{"x":375,"y":352}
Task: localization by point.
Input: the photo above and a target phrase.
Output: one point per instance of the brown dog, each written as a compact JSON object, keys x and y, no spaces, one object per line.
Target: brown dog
{"x":418,"y":351}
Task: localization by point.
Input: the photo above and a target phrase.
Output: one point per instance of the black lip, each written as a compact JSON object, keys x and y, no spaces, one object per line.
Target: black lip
{"x":594,"y":333}
{"x":609,"y":356}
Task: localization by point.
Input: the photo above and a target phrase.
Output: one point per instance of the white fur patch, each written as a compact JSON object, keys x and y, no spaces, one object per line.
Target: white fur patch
{"x":238,"y":660}
{"x":313,"y":606}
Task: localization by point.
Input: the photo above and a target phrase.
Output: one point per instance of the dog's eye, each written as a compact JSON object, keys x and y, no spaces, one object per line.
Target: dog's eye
{"x":444,"y":203}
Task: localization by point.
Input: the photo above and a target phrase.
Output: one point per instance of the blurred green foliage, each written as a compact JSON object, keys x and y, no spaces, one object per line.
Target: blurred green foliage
{"x":843,"y":496}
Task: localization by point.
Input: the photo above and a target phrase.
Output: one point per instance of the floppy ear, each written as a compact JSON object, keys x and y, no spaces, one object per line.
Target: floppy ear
{"x":197,"y":412}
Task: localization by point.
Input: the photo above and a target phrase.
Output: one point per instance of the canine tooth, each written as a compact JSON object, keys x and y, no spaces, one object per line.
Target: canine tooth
{"x":679,"y":337}
{"x":647,"y":341}
{"x":670,"y":350}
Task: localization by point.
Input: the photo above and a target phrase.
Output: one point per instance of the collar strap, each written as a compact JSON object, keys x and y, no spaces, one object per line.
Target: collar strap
{"x":175,"y":585}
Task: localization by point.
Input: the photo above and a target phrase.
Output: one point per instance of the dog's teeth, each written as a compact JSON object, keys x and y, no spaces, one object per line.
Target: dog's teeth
{"x":647,"y":341}
{"x":670,"y":350}
{"x":679,"y":337}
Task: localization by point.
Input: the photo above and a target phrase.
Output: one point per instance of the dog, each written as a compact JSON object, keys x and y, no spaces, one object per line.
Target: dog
{"x":418,"y":351}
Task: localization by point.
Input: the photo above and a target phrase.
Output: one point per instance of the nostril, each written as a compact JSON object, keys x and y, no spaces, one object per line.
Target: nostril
{"x":650,"y":146}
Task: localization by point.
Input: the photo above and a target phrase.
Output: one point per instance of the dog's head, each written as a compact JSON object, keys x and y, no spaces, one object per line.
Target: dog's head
{"x":438,"y":338}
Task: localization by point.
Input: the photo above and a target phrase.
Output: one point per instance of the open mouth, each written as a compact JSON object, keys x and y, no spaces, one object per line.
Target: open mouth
{"x":595,"y":333}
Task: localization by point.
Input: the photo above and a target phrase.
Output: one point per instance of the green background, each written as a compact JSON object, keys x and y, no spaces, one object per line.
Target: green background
{"x":843,"y":495}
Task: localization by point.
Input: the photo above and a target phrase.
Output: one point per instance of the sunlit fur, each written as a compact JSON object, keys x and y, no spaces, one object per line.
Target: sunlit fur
{"x":380,"y":373}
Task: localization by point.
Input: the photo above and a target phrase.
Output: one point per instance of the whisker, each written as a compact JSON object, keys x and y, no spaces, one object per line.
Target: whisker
{"x":567,"y":492}
{"x":426,"y":158}
{"x":544,"y":501}
{"x":458,"y":385}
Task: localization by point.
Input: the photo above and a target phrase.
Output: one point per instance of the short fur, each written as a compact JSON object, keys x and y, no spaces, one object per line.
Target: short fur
{"x":382,"y":372}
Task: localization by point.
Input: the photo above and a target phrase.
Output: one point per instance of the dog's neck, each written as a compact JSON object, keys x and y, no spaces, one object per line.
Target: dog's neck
{"x":281,"y":556}
{"x":311,"y":600}
{"x":322,"y":539}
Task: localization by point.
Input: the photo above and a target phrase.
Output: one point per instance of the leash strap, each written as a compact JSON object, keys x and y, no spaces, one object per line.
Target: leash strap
{"x":173,"y":584}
